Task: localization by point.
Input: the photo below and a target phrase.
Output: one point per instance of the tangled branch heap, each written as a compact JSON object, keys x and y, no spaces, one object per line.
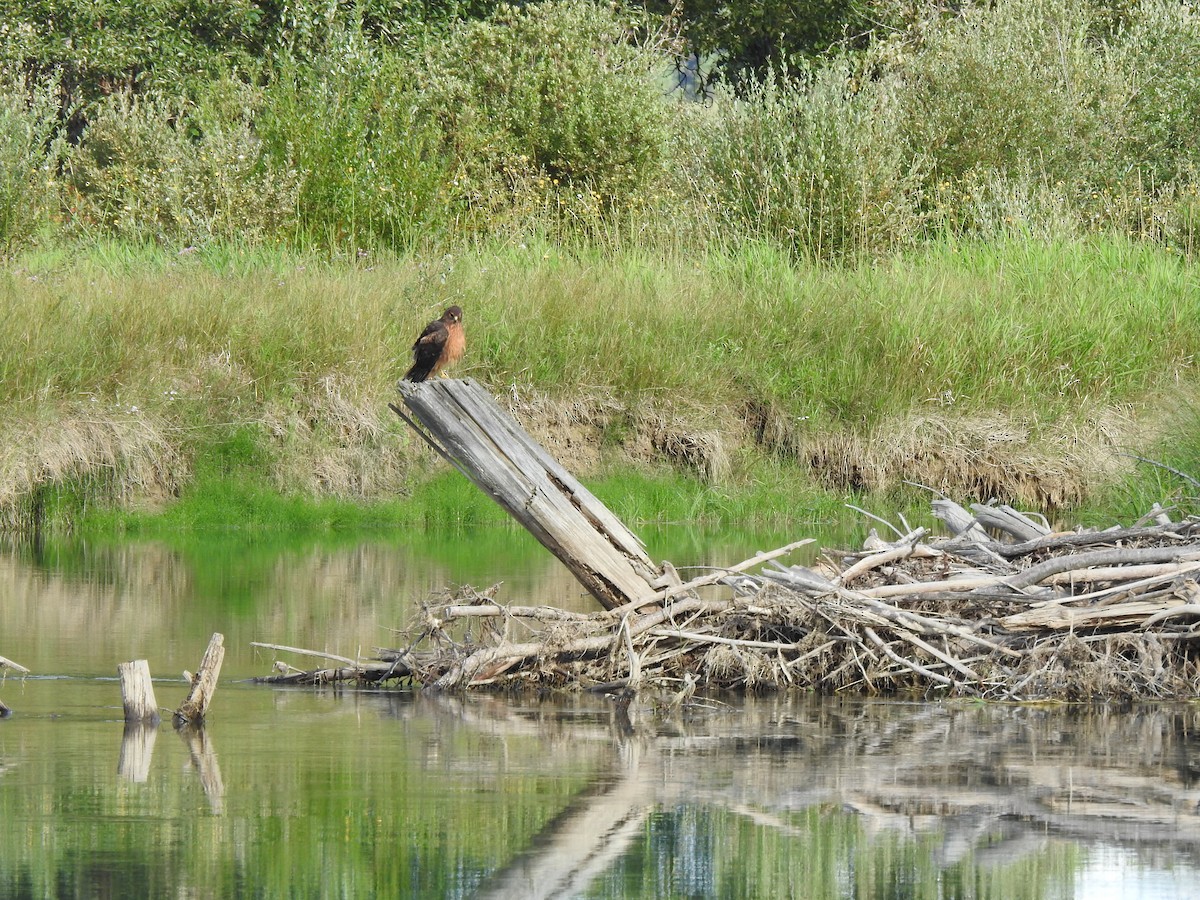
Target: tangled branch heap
{"x":1028,"y":615}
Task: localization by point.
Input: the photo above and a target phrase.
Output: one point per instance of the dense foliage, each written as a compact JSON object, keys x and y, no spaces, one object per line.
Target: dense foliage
{"x":393,"y":123}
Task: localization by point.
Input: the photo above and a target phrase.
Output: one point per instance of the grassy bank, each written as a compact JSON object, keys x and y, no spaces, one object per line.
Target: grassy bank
{"x":739,"y":385}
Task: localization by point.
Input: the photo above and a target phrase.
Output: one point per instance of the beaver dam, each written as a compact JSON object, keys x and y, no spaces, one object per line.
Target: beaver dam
{"x":1001,"y":608}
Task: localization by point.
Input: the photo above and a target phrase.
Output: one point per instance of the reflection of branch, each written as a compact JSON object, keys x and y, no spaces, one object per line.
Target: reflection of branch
{"x":583,"y":841}
{"x":985,"y":784}
{"x":204,"y":758}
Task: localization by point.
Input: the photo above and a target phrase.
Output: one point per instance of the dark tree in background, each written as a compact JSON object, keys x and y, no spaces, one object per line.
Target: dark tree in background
{"x":736,"y":39}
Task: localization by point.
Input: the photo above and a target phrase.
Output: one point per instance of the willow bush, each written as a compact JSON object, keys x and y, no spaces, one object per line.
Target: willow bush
{"x":815,"y":165}
{"x":555,"y":120}
{"x":164,"y":169}
{"x":550,"y":110}
{"x":369,"y":167}
{"x":30,"y":152}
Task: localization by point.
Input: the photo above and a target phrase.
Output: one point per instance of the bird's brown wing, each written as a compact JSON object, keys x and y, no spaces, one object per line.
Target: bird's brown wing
{"x":427,"y":351}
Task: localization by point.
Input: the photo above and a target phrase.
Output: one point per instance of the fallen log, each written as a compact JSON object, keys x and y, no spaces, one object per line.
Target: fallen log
{"x":6,"y":663}
{"x":464,"y":425}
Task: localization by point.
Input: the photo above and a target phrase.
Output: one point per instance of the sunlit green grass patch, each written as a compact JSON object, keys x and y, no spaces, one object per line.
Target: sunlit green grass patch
{"x":302,"y":353}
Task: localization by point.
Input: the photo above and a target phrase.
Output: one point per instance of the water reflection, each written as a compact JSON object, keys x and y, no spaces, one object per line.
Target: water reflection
{"x":334,"y":793}
{"x":298,"y":793}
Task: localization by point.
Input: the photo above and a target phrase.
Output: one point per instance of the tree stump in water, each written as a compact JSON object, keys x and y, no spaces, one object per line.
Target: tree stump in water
{"x":137,"y":692}
{"x":204,"y":684}
{"x":463,"y":423}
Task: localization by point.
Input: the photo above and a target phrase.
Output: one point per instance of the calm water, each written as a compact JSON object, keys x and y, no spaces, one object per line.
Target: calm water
{"x":339,"y":793}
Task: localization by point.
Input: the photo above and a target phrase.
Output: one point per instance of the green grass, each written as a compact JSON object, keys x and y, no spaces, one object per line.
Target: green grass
{"x":266,"y":376}
{"x":1037,"y":326}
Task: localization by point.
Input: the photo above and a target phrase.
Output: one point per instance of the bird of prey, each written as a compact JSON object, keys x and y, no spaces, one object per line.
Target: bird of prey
{"x":441,"y":344}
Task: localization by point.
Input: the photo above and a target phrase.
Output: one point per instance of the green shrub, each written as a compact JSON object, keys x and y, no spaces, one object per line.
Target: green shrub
{"x":817,"y":165}
{"x":1019,"y":90}
{"x":548,"y":108}
{"x":368,"y":165}
{"x":154,"y":168}
{"x":1009,"y":88}
{"x":30,"y":152}
{"x":1158,"y":54}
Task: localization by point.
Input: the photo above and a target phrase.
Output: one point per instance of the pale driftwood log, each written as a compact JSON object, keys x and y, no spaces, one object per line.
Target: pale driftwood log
{"x":204,"y":683}
{"x":1178,"y":531}
{"x":137,"y":692}
{"x":1060,"y":618}
{"x":1123,"y":556}
{"x":1010,"y":521}
{"x":137,"y":748}
{"x":960,"y":522}
{"x":464,"y":424}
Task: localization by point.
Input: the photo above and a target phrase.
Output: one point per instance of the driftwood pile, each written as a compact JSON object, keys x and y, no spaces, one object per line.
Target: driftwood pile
{"x":1004,"y":609}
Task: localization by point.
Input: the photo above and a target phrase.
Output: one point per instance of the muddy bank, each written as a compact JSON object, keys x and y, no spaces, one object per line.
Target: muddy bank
{"x":337,"y":441}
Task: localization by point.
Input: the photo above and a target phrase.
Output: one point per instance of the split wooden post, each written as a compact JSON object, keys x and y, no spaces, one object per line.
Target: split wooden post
{"x":463,"y":423}
{"x":137,"y":692}
{"x":204,"y":683}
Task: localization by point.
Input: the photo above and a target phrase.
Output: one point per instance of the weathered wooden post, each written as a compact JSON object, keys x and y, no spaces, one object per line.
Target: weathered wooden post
{"x":137,"y":692}
{"x":463,"y":423}
{"x":204,"y":684}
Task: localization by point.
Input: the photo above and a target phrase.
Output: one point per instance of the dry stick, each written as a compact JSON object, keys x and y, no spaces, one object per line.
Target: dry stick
{"x":717,"y":639}
{"x":876,"y":560}
{"x":907,"y":663}
{"x":1128,"y":588}
{"x":1090,"y":538}
{"x":463,"y":611}
{"x":930,"y":625}
{"x":934,"y":651}
{"x":302,"y":652}
{"x":955,"y":584}
{"x":817,"y":651}
{"x":1124,"y":573}
{"x":705,"y":580}
{"x":881,"y":521}
{"x":1188,"y":609}
{"x":6,"y":663}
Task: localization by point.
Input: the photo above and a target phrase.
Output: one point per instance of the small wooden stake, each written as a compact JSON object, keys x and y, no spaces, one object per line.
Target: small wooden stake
{"x":137,"y":693}
{"x":204,"y":683}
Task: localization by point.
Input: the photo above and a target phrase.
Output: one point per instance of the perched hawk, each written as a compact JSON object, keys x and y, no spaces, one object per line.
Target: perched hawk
{"x":441,"y":344}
